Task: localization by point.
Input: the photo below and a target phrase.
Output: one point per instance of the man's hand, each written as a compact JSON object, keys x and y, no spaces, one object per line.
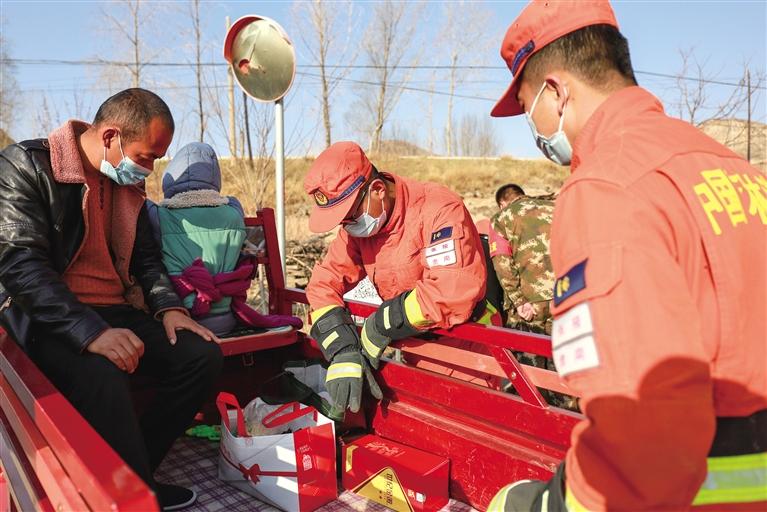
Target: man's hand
{"x":120,"y":346}
{"x":175,"y":320}
{"x":526,"y":311}
{"x":344,"y":381}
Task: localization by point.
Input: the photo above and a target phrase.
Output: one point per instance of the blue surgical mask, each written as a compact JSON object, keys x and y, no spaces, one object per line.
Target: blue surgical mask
{"x":366,"y":225}
{"x":127,"y":171}
{"x":556,"y":147}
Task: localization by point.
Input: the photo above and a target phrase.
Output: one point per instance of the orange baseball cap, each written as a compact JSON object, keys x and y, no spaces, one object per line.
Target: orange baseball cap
{"x":334,"y":181}
{"x":540,"y":23}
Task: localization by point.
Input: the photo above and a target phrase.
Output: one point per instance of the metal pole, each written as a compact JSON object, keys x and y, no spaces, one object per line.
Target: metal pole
{"x":230,"y":94}
{"x":748,"y":127}
{"x":279,"y":178}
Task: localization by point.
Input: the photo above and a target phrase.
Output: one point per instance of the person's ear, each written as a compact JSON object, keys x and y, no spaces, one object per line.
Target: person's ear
{"x":377,"y":189}
{"x":109,"y":136}
{"x":558,"y":85}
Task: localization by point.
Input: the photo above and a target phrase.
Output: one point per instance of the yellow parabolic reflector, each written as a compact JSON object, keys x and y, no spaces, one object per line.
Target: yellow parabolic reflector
{"x":263,"y":59}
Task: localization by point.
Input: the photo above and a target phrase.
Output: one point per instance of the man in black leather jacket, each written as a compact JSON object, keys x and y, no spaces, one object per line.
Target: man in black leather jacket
{"x":82,"y":286}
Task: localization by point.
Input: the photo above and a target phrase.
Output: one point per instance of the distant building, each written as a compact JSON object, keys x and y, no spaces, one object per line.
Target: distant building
{"x":733,"y":134}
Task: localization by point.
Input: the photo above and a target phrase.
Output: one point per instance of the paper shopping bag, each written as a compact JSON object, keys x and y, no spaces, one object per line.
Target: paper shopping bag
{"x":295,"y":471}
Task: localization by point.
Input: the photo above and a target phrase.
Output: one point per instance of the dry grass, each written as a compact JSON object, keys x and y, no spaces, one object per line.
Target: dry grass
{"x":474,"y":179}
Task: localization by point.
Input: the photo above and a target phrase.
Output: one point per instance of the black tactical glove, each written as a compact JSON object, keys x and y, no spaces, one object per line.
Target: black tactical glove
{"x":334,"y":331}
{"x":344,"y":380}
{"x":532,"y":495}
{"x":389,"y":322}
{"x":337,"y":337}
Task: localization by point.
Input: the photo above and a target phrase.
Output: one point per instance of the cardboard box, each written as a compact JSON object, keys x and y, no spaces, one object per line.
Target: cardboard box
{"x":397,"y":476}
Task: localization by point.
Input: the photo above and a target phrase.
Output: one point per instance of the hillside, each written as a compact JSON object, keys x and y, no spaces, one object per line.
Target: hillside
{"x":474,"y":179}
{"x":733,"y":134}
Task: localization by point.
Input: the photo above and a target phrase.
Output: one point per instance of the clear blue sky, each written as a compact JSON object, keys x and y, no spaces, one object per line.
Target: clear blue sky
{"x":723,"y":34}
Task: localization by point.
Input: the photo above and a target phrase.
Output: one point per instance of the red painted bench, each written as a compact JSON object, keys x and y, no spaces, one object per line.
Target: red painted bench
{"x":51,"y":458}
{"x":270,"y":260}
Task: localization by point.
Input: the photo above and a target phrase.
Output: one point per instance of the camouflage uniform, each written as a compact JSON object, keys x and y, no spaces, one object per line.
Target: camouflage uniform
{"x":519,"y":246}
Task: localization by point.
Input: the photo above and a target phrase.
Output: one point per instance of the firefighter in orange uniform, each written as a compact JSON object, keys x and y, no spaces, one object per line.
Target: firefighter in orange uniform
{"x":415,"y":241}
{"x":659,"y":246}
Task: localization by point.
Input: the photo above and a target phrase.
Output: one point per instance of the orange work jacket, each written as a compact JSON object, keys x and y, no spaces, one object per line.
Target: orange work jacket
{"x":428,"y":244}
{"x":659,"y":246}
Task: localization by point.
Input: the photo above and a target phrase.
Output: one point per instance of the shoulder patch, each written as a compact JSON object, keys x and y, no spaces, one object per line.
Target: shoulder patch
{"x":442,"y":234}
{"x":499,"y":246}
{"x":570,"y":283}
{"x":573,"y":342}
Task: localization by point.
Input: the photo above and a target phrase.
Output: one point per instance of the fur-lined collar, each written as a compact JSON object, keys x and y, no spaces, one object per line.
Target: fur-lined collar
{"x":65,"y":154}
{"x":194,"y":198}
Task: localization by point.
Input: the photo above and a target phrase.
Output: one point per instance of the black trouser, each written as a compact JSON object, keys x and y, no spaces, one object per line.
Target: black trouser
{"x":186,"y":373}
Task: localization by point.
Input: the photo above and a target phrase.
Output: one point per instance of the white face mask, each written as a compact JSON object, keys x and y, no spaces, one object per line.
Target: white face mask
{"x":556,"y":147}
{"x":366,"y":225}
{"x":127,"y":171}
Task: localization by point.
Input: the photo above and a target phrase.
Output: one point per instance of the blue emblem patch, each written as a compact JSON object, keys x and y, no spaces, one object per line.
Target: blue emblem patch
{"x":441,"y":234}
{"x":570,"y":283}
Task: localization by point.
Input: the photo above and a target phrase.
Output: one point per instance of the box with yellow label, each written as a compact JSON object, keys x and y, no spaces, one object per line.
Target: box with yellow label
{"x":397,"y":476}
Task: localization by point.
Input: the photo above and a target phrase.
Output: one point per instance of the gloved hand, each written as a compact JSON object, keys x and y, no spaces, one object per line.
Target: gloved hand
{"x":532,"y":495}
{"x":344,"y":380}
{"x":334,"y":331}
{"x":337,"y":337}
{"x":389,"y":322}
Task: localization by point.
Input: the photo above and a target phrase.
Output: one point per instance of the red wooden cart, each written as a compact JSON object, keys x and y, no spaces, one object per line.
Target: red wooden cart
{"x":53,"y":460}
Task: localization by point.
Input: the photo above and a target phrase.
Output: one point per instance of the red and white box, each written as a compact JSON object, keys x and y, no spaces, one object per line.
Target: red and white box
{"x":295,"y":471}
{"x":399,"y":477}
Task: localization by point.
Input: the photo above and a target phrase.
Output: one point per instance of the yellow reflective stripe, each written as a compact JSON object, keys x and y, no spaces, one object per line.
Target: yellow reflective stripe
{"x":344,"y":370}
{"x":734,"y":479}
{"x":318,"y":313}
{"x":499,"y":500}
{"x":571,"y":502}
{"x":413,"y":311}
{"x":487,"y":316}
{"x":387,"y":320}
{"x":545,"y":501}
{"x":333,"y":336}
{"x":498,"y":503}
{"x":368,"y":345}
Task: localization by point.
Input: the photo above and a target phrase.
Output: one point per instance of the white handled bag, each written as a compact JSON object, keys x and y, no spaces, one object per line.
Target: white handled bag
{"x":295,"y":471}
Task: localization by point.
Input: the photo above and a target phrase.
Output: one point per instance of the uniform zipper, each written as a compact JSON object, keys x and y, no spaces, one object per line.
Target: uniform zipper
{"x":6,"y":304}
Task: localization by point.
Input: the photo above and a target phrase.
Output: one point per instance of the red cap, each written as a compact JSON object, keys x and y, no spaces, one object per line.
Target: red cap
{"x":540,"y":23}
{"x":334,"y":181}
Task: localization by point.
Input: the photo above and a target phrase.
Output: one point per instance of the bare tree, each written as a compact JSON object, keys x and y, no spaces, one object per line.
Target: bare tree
{"x":476,"y":137}
{"x":50,"y":114}
{"x":463,"y":20}
{"x":487,"y":138}
{"x":326,"y":33}
{"x":47,"y":116}
{"x":697,"y":103}
{"x":8,"y":88}
{"x":131,"y":24}
{"x":195,"y":14}
{"x":387,"y":47}
{"x":430,"y":113}
{"x":467,"y":135}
